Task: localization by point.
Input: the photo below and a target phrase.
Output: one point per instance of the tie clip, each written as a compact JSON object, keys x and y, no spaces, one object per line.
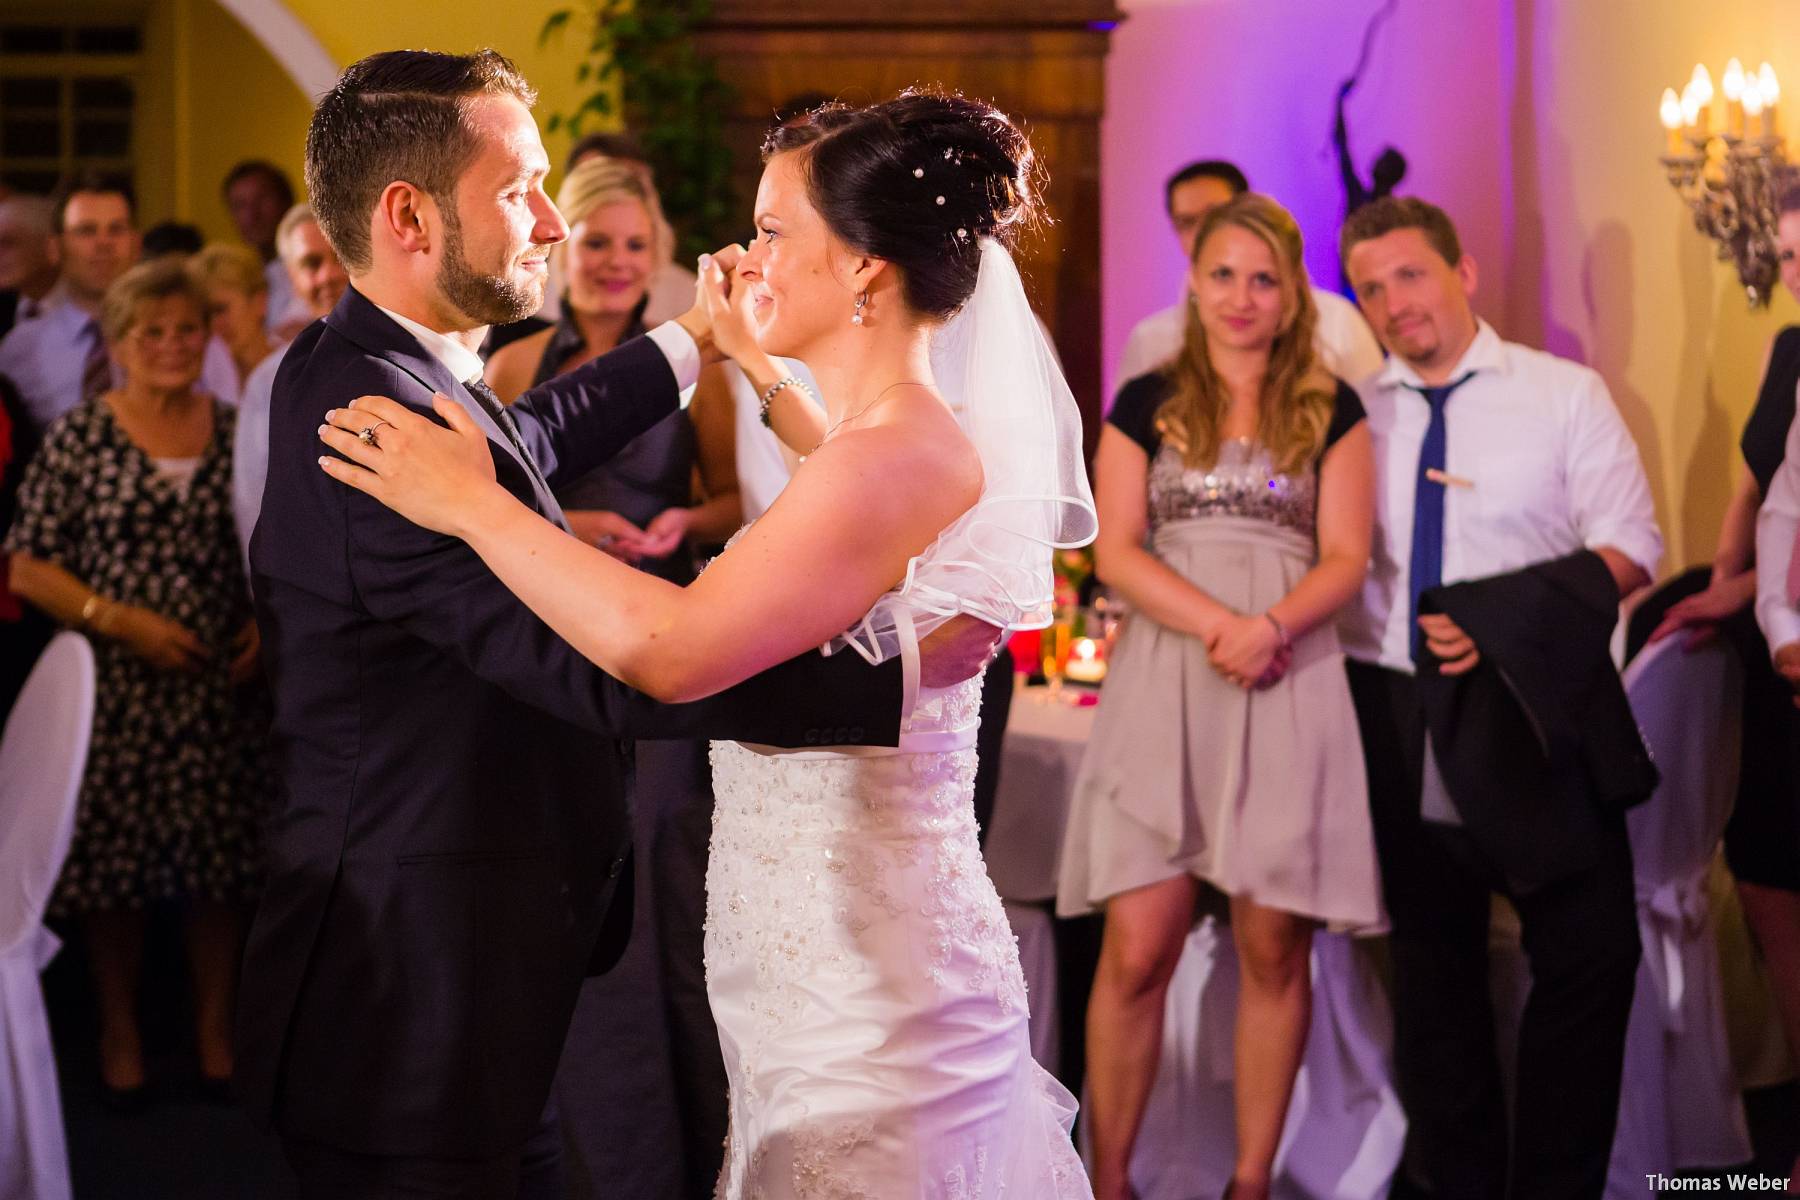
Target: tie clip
{"x":1447,"y":480}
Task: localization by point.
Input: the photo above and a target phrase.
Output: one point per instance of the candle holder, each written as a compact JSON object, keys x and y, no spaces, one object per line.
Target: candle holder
{"x":1731,"y":181}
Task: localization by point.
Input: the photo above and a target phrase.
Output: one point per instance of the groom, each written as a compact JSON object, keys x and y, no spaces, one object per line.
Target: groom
{"x":452,"y":851}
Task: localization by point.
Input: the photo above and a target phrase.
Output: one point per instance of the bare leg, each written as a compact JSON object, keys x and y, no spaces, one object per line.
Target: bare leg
{"x":1774,"y":918}
{"x":116,"y":956}
{"x":1145,"y":929}
{"x":1274,"y":1013}
{"x":215,"y":935}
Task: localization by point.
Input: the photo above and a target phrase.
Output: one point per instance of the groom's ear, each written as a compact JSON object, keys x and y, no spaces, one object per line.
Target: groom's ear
{"x":405,"y":217}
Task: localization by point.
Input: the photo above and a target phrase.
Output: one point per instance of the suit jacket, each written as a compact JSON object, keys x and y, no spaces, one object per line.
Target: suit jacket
{"x":1537,"y":745}
{"x":453,"y":822}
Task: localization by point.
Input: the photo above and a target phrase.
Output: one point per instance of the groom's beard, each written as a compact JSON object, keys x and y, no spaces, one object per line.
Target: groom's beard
{"x":485,"y":299}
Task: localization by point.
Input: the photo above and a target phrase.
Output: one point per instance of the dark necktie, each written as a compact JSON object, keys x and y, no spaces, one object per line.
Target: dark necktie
{"x":489,"y":401}
{"x":96,"y":367}
{"x":1427,"y":569}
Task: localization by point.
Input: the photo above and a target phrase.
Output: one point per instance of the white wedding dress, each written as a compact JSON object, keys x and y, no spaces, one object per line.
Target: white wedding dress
{"x":862,"y":973}
{"x":866,"y":983}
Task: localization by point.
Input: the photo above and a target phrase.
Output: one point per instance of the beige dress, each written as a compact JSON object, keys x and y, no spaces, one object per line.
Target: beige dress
{"x":1260,"y":793}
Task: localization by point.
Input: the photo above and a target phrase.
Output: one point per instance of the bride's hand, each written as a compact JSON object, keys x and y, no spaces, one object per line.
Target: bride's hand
{"x":429,"y":474}
{"x":726,"y":299}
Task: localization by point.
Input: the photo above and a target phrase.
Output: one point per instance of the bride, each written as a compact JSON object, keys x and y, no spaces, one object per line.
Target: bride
{"x":862,"y":972}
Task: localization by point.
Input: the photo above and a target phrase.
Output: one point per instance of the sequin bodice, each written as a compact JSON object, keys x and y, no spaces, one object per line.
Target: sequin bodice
{"x":1242,"y":483}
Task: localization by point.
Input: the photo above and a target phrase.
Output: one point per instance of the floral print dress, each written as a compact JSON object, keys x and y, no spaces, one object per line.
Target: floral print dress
{"x":178,"y":780}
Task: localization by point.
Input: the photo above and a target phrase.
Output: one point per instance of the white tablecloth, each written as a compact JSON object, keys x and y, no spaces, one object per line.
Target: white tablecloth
{"x":1044,"y":741}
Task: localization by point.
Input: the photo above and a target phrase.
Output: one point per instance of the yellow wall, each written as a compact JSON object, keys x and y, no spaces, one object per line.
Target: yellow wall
{"x":1605,"y":262}
{"x":213,"y":96}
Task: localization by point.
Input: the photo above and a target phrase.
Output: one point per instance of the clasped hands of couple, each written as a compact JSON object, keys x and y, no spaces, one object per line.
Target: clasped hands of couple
{"x":441,"y":476}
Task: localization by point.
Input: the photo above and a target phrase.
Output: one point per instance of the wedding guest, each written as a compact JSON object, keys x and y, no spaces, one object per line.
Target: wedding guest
{"x":1345,"y":347}
{"x":257,"y":194}
{"x":1745,"y":599}
{"x":640,"y":507}
{"x":1513,"y":515}
{"x":318,"y":281}
{"x":238,"y":292}
{"x":60,"y":359}
{"x":124,"y":532}
{"x":23,"y":629}
{"x":671,"y":285}
{"x":177,"y":238}
{"x":1235,"y":489}
{"x":28,"y":267}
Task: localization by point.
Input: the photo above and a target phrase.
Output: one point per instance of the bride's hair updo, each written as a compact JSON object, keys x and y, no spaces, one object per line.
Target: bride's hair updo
{"x":918,"y":180}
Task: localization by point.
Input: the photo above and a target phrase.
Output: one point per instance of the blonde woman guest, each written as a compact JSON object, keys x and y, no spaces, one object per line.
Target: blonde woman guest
{"x":237,"y":293}
{"x":641,"y":508}
{"x":1235,"y":489}
{"x":124,"y":529}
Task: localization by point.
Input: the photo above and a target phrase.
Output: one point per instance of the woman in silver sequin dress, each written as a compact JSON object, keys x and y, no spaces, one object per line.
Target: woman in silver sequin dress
{"x":1236,"y":491}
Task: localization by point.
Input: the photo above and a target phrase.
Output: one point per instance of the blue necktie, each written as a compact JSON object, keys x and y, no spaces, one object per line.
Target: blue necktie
{"x":1427,"y":569}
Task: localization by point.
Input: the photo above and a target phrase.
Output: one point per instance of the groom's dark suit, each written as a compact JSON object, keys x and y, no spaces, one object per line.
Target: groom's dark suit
{"x":453,"y":822}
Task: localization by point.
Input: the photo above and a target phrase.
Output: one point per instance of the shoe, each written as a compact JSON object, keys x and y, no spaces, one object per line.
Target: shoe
{"x":124,"y":1102}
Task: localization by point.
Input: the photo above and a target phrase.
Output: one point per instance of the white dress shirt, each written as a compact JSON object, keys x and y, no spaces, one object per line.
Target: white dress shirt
{"x":1541,"y":466}
{"x":45,"y":358}
{"x":1342,"y":340}
{"x":1777,"y":525}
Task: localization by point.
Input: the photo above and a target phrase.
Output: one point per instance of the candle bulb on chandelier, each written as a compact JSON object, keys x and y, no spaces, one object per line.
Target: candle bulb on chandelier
{"x":1753,"y":108}
{"x":1771,"y":93}
{"x":1732,"y":84}
{"x":1700,"y":92}
{"x":1671,"y":114}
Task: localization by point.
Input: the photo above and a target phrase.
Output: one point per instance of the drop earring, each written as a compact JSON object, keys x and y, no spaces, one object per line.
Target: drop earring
{"x":856,"y":318}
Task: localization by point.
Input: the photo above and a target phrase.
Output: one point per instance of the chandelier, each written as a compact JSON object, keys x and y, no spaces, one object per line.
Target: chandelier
{"x":1731,"y":176}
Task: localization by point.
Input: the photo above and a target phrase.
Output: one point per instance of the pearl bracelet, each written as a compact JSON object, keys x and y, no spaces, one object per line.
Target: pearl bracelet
{"x":772,"y":390}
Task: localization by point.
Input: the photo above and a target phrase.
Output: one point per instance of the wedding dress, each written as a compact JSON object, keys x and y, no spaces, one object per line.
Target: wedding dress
{"x":862,"y":973}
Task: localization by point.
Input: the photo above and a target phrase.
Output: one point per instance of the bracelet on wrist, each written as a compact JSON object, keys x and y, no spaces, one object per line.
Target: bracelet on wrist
{"x":1281,"y":633}
{"x":773,"y":390}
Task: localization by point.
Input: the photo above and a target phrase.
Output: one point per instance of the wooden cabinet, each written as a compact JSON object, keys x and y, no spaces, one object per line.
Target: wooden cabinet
{"x":1042,"y":61}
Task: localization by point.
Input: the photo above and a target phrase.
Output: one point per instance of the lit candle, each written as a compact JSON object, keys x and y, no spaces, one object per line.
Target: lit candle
{"x":1700,"y":86}
{"x":1733,"y":86}
{"x":1771,"y":94}
{"x":1753,"y":107}
{"x":1671,"y":115}
{"x":1085,"y":663}
{"x":1690,"y":113}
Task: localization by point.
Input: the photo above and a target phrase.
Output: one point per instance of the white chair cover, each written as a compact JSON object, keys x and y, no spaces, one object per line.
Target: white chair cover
{"x":42,"y":755}
{"x":1680,"y":1104}
{"x":1345,"y":1127}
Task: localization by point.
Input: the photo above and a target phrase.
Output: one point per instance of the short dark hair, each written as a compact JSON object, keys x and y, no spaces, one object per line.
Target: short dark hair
{"x":918,"y":180}
{"x":1206,"y":168}
{"x":1380,"y":217}
{"x":172,"y":237}
{"x":257,"y":167}
{"x":89,"y":181}
{"x":623,"y":144}
{"x":401,"y":115}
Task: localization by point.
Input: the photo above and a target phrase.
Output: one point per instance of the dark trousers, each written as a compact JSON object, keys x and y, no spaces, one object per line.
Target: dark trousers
{"x":1580,"y":939}
{"x":532,"y":1172}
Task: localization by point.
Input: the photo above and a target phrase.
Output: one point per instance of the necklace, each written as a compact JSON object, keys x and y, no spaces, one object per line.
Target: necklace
{"x":843,"y":421}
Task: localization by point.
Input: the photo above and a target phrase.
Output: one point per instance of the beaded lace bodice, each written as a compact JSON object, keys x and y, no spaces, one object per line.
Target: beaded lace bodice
{"x":1242,"y":483}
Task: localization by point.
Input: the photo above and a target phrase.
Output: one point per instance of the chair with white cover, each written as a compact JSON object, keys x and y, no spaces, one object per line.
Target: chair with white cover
{"x":1680,"y":1103}
{"x":42,"y":755}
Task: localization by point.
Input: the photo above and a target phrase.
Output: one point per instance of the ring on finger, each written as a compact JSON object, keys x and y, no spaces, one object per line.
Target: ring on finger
{"x":366,"y":435}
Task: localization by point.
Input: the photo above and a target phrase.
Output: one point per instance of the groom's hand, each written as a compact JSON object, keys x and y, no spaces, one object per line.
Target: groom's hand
{"x":698,"y":319}
{"x":958,"y":649}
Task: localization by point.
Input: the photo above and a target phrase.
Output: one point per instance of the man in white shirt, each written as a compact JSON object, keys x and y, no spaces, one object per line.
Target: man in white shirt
{"x":317,"y":281}
{"x":1491,"y":459}
{"x":1343,"y":340}
{"x":258,"y":194}
{"x":60,"y":359}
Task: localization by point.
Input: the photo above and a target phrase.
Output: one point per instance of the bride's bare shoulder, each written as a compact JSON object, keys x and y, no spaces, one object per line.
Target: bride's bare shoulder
{"x":917,"y":448}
